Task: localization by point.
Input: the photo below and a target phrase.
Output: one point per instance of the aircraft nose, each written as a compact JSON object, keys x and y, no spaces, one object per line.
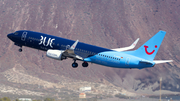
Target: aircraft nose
{"x":10,"y":36}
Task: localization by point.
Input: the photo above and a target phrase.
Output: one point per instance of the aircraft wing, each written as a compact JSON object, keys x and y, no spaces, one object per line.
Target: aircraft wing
{"x":70,"y":51}
{"x":127,"y":48}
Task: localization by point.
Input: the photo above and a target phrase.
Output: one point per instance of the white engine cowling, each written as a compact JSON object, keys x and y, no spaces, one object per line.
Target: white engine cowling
{"x":55,"y":54}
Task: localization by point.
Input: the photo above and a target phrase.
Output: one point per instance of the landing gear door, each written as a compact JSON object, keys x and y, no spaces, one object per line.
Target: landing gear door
{"x":23,"y":37}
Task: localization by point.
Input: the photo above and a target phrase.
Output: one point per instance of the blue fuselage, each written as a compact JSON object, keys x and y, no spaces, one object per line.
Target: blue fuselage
{"x":90,"y":53}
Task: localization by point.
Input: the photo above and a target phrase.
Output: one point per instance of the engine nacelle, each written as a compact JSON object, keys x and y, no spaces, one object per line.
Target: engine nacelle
{"x":55,"y":54}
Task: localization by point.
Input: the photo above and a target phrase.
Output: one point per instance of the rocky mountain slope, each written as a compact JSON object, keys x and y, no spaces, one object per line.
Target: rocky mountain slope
{"x":109,"y":24}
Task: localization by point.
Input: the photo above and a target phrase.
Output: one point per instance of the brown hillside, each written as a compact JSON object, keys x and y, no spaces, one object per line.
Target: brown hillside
{"x":105,"y":23}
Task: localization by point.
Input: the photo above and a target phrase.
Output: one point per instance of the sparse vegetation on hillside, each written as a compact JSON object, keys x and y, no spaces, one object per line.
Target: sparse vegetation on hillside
{"x":17,"y":99}
{"x":49,"y":99}
{"x":121,"y":96}
{"x":5,"y":99}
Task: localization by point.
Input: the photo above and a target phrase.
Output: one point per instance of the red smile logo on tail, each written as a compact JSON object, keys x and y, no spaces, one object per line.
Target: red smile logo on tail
{"x":149,"y":53}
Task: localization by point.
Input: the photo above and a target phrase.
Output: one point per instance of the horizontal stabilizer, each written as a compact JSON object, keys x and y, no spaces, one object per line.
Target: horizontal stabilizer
{"x":127,"y":48}
{"x":162,"y":61}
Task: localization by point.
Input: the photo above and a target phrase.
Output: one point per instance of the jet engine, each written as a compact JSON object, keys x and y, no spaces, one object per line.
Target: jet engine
{"x":55,"y":54}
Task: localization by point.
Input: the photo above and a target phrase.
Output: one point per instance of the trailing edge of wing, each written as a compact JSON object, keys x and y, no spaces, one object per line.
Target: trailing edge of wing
{"x":127,"y":48}
{"x":162,"y":61}
{"x":76,"y":56}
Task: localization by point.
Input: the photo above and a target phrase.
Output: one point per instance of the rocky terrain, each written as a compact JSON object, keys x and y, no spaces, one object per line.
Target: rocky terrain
{"x":109,"y":24}
{"x":18,"y":82}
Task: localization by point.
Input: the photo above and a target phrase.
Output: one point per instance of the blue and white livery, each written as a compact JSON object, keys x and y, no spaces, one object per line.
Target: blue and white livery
{"x":60,"y":49}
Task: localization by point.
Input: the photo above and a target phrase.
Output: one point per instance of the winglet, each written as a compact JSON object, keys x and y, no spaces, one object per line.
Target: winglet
{"x":74,"y":45}
{"x":127,"y":48}
{"x":135,"y":42}
{"x":71,"y":53}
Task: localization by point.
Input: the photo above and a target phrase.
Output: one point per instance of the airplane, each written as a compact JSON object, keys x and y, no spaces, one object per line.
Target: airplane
{"x":60,"y":48}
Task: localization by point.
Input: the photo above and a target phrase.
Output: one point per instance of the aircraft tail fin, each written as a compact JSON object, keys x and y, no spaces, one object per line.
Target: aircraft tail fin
{"x":149,"y":50}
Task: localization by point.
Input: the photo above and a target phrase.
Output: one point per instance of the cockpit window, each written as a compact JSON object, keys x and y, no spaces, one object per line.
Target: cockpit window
{"x":16,"y":33}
